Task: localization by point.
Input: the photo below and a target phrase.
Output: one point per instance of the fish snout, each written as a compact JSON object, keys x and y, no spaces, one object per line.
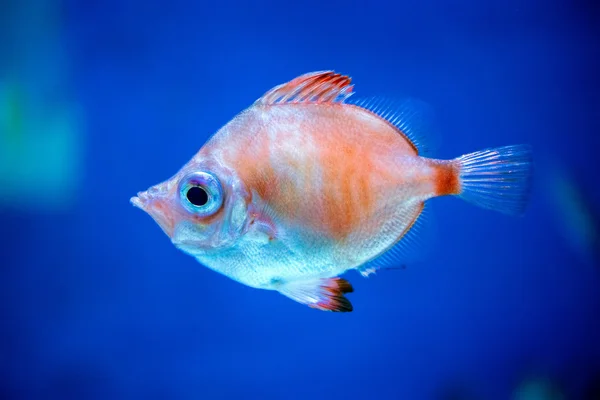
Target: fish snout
{"x":141,"y":200}
{"x":144,"y":199}
{"x":155,"y":203}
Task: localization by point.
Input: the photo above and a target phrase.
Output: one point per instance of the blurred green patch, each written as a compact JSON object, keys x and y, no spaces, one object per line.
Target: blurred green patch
{"x":40,"y":129}
{"x":39,"y":152}
{"x":538,"y":389}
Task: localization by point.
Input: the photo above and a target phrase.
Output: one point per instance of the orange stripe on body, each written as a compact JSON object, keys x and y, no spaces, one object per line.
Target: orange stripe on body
{"x":347,"y":196}
{"x":446,"y":177}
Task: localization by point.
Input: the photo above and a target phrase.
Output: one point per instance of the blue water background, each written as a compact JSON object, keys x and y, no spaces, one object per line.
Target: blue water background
{"x":97,"y":303}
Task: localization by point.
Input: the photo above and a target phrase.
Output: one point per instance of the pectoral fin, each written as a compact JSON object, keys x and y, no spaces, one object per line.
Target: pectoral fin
{"x":326,"y":294}
{"x":263,"y":222}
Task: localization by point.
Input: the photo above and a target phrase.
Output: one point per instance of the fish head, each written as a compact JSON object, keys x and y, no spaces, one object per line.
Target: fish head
{"x":202,"y":209}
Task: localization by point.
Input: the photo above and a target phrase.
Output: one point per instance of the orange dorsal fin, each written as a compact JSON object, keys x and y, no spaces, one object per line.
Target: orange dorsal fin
{"x":315,"y":87}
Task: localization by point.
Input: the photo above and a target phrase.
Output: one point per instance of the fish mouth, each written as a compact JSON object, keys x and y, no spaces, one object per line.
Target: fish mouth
{"x":156,"y":209}
{"x":140,"y":200}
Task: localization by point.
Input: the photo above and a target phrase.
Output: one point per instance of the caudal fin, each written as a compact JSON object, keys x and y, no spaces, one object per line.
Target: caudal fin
{"x":498,"y":179}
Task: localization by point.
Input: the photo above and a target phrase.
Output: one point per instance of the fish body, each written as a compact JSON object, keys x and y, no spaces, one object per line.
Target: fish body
{"x":304,"y":186}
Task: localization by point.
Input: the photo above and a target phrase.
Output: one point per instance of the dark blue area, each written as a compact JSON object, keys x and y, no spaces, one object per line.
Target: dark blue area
{"x":97,"y":304}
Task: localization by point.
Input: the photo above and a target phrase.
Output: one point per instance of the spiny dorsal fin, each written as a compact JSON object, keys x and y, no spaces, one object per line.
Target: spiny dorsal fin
{"x":315,"y":87}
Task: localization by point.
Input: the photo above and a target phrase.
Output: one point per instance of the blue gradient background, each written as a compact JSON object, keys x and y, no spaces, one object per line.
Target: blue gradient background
{"x":97,"y":304}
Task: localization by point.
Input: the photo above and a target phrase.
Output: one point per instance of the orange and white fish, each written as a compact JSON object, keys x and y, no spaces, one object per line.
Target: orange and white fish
{"x":305,"y":185}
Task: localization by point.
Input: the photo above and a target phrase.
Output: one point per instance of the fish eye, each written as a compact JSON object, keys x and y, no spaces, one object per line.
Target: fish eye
{"x":201,"y":193}
{"x":197,"y":196}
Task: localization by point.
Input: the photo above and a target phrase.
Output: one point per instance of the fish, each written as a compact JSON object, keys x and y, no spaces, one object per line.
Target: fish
{"x":307,"y":184}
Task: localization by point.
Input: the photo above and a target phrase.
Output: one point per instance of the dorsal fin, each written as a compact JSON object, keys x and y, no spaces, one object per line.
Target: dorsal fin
{"x":315,"y":87}
{"x":412,"y":117}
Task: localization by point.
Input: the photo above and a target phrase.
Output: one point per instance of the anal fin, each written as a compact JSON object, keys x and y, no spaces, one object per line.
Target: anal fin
{"x":326,"y":294}
{"x":412,"y":247}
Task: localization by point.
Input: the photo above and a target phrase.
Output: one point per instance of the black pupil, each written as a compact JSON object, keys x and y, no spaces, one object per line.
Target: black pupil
{"x":197,"y":196}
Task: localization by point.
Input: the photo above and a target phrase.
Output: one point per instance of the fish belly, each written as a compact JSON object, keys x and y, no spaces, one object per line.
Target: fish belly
{"x":259,"y":262}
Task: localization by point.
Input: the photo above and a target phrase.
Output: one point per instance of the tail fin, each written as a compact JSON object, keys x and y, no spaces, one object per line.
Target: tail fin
{"x":498,"y":179}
